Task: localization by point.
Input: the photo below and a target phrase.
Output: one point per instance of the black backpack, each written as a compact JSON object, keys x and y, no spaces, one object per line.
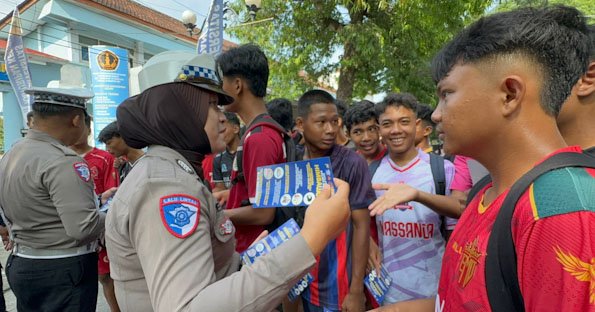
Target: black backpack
{"x":501,"y":275}
{"x":282,"y":214}
{"x":437,"y":166}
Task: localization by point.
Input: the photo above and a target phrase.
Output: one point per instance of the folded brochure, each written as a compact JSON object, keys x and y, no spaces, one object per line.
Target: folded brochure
{"x":270,"y":242}
{"x":292,"y":184}
{"x":378,"y":284}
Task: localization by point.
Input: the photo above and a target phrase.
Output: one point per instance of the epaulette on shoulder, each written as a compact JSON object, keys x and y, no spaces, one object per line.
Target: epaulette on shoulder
{"x":563,"y":191}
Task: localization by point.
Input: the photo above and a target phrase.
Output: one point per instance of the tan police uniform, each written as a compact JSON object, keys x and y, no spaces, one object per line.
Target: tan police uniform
{"x":172,"y":250}
{"x":47,"y":199}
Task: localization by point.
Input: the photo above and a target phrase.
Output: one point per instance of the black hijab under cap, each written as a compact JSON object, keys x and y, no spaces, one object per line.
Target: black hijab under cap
{"x":172,"y":115}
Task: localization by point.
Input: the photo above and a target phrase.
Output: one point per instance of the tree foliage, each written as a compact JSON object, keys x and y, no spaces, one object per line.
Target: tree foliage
{"x":373,"y":45}
{"x":587,"y":7}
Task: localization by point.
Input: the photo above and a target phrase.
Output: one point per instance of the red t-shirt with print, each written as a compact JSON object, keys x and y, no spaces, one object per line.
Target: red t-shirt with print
{"x":554,"y":235}
{"x":262,"y":146}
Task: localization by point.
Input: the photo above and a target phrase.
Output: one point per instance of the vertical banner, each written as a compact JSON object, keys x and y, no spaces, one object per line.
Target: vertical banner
{"x":17,"y":67}
{"x":109,"y":75}
{"x":211,"y":38}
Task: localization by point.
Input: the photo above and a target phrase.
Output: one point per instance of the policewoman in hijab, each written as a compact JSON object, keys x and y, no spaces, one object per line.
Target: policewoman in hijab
{"x":170,"y":248}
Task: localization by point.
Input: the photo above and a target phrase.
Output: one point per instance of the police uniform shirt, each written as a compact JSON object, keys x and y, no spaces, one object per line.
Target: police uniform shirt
{"x":172,"y":250}
{"x":46,"y":192}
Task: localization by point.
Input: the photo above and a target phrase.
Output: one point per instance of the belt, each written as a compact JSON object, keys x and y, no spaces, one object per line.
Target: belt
{"x":39,"y":253}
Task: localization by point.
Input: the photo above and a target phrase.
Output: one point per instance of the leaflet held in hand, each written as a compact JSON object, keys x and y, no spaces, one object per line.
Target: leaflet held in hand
{"x":292,"y":184}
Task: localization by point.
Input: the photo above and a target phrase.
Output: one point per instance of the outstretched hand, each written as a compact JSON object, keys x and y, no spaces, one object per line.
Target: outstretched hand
{"x":398,"y":193}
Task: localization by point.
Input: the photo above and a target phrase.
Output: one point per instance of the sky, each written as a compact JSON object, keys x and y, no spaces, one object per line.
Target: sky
{"x":173,"y":8}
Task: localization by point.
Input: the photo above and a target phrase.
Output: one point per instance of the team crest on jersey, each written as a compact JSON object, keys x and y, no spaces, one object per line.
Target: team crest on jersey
{"x":583,"y":271}
{"x":180,"y":214}
{"x":82,"y":170}
{"x":468,"y":263}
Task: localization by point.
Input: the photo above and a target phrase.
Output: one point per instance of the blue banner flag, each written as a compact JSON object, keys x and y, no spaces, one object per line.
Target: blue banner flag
{"x":211,"y":37}
{"x":17,"y":67}
{"x":109,"y":75}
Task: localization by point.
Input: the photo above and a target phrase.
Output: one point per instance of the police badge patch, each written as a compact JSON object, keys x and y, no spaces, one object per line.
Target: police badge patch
{"x":82,"y":170}
{"x":180,"y":214}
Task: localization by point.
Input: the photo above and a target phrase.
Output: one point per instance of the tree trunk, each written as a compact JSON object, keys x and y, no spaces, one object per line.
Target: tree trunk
{"x":346,"y":75}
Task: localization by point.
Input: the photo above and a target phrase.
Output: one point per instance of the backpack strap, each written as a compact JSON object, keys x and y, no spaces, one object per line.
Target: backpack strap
{"x":373,"y":166}
{"x":439,"y":176}
{"x":260,"y":120}
{"x":501,"y":262}
{"x":437,"y":166}
{"x":483,"y":182}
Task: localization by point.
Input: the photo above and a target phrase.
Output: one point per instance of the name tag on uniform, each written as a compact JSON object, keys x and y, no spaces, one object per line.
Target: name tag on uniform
{"x":292,"y":184}
{"x":283,"y":233}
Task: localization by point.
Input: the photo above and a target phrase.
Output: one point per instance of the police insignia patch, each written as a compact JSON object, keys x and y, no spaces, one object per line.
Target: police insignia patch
{"x":226,"y":227}
{"x":82,"y":170}
{"x":180,"y":214}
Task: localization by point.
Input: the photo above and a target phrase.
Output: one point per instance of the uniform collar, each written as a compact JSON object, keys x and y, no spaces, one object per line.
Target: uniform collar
{"x":42,"y":136}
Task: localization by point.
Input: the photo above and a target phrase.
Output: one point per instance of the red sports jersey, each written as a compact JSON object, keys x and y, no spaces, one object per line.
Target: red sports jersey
{"x":263,"y":146}
{"x":101,"y":165}
{"x":554,"y":238}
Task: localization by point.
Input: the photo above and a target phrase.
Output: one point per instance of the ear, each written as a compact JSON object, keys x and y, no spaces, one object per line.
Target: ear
{"x":514,"y":89}
{"x":236,"y":129}
{"x":299,"y":123}
{"x":417,"y":122}
{"x":76,"y":120}
{"x":586,"y":84}
{"x":428,"y":130}
{"x":237,"y":85}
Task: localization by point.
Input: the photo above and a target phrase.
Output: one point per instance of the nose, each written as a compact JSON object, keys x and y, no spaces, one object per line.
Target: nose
{"x":329,"y":128}
{"x":437,"y":114}
{"x":366,"y":136}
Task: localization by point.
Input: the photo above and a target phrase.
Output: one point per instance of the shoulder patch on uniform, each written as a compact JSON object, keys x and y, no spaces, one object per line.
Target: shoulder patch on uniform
{"x":226,"y":227}
{"x":562,"y":191}
{"x":82,"y":170}
{"x":184,"y":166}
{"x":180,"y":214}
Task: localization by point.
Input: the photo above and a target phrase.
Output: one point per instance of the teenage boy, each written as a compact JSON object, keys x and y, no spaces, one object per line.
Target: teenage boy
{"x":340,"y":269}
{"x":245,"y":72}
{"x":501,"y":84}
{"x":410,"y":236}
{"x":223,"y":162}
{"x":424,"y":128}
{"x":362,"y":127}
{"x":103,"y":173}
{"x":115,"y":145}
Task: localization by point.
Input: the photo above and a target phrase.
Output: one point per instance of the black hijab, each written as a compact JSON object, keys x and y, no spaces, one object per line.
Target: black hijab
{"x":172,"y":115}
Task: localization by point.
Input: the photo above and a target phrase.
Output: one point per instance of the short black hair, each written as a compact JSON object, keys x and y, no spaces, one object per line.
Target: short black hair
{"x":313,"y":97}
{"x":88,"y":120}
{"x":232,"y":118}
{"x":45,"y":110}
{"x":592,"y":42}
{"x":341,"y":108}
{"x":109,"y":132}
{"x":247,"y":62}
{"x":424,"y":112}
{"x":358,"y":113}
{"x":555,"y":38}
{"x":397,"y":100}
{"x":281,"y":111}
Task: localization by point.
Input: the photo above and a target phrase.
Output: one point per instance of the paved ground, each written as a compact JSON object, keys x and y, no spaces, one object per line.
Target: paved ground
{"x":11,"y":301}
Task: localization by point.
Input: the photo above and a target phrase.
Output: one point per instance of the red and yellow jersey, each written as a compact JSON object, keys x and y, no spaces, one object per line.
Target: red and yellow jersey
{"x":553,"y":230}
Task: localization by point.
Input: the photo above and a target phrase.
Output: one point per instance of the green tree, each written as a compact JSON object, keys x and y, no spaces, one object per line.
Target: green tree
{"x":585,"y":6}
{"x":373,"y":45}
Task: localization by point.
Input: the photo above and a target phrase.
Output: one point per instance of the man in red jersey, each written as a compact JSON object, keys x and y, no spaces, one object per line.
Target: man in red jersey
{"x":501,"y":83}
{"x":245,"y":73}
{"x":103,"y":173}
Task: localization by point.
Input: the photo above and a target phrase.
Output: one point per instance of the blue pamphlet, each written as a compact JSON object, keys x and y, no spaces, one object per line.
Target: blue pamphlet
{"x":378,"y":285}
{"x":270,"y":242}
{"x":292,"y":184}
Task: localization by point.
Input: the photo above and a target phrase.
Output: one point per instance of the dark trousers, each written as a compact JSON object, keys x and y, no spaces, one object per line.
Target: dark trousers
{"x":66,"y":284}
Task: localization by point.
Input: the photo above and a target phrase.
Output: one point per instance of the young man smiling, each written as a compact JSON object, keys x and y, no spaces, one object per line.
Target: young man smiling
{"x":410,"y":235}
{"x":362,"y":127}
{"x":340,"y":269}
